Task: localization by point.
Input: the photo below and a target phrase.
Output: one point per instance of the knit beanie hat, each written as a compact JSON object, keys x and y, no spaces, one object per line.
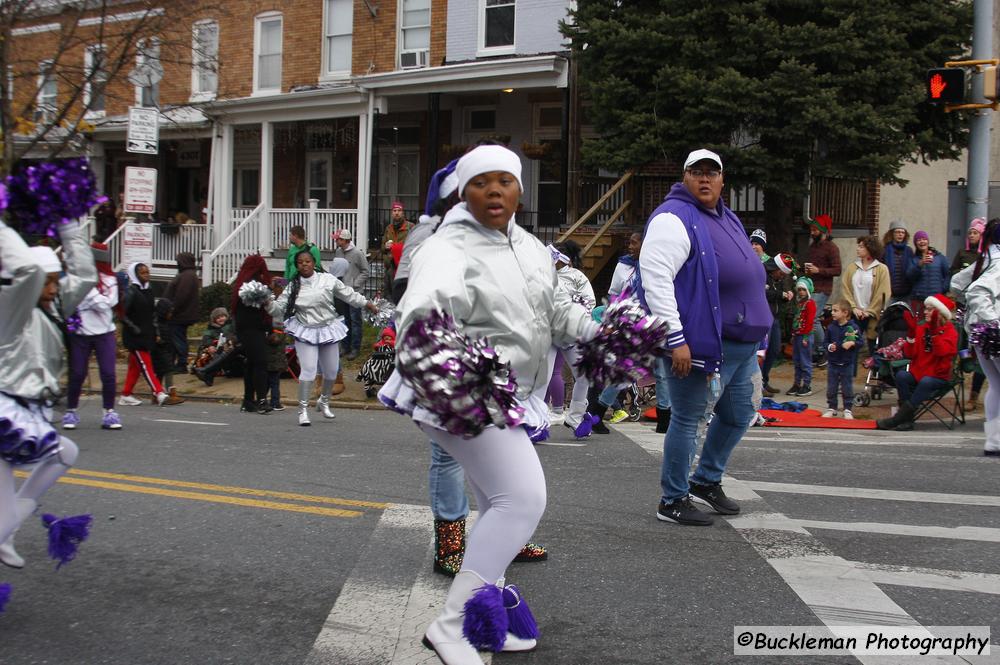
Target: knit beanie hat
{"x":760,"y":237}
{"x":944,"y":305}
{"x":978,"y":224}
{"x":920,"y":235}
{"x":217,"y":312}
{"x":804,"y":283}
{"x":897,"y":224}
{"x":484,"y":159}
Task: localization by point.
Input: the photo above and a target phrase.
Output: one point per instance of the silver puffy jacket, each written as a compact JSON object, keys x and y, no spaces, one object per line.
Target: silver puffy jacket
{"x":498,"y":285}
{"x":31,"y":345}
{"x":314,"y":304}
{"x":981,"y":295}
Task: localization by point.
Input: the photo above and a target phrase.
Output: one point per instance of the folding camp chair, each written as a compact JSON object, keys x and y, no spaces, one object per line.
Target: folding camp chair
{"x":939,"y":408}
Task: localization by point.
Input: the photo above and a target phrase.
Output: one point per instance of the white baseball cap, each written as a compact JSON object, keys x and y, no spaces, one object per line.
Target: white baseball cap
{"x":699,"y":155}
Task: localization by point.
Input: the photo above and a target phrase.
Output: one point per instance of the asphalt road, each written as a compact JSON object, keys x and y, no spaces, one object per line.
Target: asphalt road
{"x":223,"y":537}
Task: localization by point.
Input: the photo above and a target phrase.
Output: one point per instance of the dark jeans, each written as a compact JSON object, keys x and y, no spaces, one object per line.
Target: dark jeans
{"x":773,"y":350}
{"x":917,"y":392}
{"x":839,"y":379}
{"x":255,"y":373}
{"x":356,"y":329}
{"x":80,"y":347}
{"x":274,"y":387}
{"x":179,"y":338}
{"x":977,"y":382}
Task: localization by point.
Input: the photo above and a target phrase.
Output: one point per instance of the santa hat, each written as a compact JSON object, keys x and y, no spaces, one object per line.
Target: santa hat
{"x":785,"y":262}
{"x":760,"y":237}
{"x":822,"y":222}
{"x":944,"y":305}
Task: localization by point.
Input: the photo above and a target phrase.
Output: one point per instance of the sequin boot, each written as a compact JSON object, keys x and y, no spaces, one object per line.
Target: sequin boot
{"x":449,"y":546}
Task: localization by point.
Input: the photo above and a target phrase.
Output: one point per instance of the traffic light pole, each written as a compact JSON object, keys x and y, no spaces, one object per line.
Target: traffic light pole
{"x":977,"y":191}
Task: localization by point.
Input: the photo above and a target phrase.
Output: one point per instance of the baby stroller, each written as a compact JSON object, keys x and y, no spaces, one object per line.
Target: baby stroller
{"x":897,"y":322}
{"x":638,"y":397}
{"x":377,"y":368}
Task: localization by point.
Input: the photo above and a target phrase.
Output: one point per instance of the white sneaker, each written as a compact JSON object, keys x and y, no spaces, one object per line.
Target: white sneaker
{"x":830,"y":413}
{"x":161,"y":398}
{"x":128,"y":400}
{"x":556,"y":418}
{"x":9,"y":556}
{"x":848,"y":415}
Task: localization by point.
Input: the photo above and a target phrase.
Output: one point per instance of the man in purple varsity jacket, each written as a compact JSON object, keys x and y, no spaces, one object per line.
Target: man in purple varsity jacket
{"x":700,"y":274}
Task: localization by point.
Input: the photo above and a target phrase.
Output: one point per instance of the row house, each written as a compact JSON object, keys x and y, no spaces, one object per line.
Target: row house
{"x":314,"y":112}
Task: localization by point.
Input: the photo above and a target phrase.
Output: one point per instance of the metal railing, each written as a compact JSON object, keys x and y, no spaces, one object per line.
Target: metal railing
{"x":319,"y":223}
{"x":222,"y":263}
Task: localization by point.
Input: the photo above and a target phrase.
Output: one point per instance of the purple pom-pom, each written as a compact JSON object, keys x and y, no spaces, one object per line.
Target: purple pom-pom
{"x":65,"y":535}
{"x":521,"y":622}
{"x":537,"y":434}
{"x":4,"y":198}
{"x":460,"y":380}
{"x":44,"y":196}
{"x":5,"y":590}
{"x":986,"y":338}
{"x":485,"y":623}
{"x":623,"y":351}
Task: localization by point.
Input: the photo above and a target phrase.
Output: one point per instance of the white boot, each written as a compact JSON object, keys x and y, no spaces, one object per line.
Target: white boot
{"x":304,"y":414}
{"x":577,"y":409}
{"x":992,"y":446}
{"x":444,"y":635}
{"x":8,"y":555}
{"x":323,"y":406}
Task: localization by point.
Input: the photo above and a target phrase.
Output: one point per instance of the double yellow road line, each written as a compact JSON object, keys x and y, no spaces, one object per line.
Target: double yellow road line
{"x":162,"y":487}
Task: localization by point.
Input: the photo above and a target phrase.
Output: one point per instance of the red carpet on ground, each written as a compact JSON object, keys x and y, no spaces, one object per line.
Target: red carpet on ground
{"x":813,"y":418}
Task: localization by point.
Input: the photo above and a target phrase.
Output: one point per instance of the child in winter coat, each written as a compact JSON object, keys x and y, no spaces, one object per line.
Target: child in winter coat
{"x":380,"y":364}
{"x":842,"y":337}
{"x":277,"y":363}
{"x":802,"y":327}
{"x":164,"y":350}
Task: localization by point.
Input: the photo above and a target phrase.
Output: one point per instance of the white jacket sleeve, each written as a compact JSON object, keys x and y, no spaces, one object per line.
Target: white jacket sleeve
{"x":81,"y":272}
{"x":347,"y":294}
{"x":981,"y":296}
{"x":664,"y":250}
{"x":569,"y":320}
{"x":437,"y":282}
{"x":19,"y":296}
{"x":961,"y":280}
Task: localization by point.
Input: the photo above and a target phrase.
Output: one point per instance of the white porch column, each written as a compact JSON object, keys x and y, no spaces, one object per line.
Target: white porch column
{"x":266,"y":185}
{"x":365,"y":137}
{"x":312,"y":229}
{"x":224,"y":184}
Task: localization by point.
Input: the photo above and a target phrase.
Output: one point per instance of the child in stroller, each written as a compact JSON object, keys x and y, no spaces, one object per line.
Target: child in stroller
{"x":894,"y":325}
{"x":380,"y":364}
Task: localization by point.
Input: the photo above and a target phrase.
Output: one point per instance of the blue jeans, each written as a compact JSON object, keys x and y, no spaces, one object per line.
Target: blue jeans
{"x":733,"y":411}
{"x":179,"y":340}
{"x":355,"y":329}
{"x":818,"y":334}
{"x":773,"y":351}
{"x":446,"y":481}
{"x":839,"y":379}
{"x":274,"y":387}
{"x":802,"y":359}
{"x":917,"y":392}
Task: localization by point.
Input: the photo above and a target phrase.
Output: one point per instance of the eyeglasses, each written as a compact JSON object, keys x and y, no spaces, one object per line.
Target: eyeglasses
{"x":711,"y":174}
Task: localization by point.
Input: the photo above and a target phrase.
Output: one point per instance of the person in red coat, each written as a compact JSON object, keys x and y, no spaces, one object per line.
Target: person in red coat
{"x":932,"y":352}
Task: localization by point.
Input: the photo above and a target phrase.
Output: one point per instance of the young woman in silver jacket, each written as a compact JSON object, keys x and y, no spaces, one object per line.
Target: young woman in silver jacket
{"x":35,"y":299}
{"x":497,"y":281}
{"x":979,"y":285}
{"x":306,"y":306}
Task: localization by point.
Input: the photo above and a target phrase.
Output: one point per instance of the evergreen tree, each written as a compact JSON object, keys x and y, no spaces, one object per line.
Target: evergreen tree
{"x":782,"y":89}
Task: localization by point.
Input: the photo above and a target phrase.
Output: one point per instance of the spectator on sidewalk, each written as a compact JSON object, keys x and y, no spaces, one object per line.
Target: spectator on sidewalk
{"x":963,"y":259}
{"x":842,"y":339}
{"x":929,"y":273}
{"x":297,"y":243}
{"x":277,"y":363}
{"x":897,"y":258}
{"x":867,"y":288}
{"x":779,"y":290}
{"x":252,"y":327}
{"x":821,"y":266}
{"x":395,"y":234}
{"x":758,"y":240}
{"x":356,"y":278}
{"x":219,"y":350}
{"x":802,"y":338}
{"x":163,"y":353}
{"x":139,"y":336}
{"x":183,"y":291}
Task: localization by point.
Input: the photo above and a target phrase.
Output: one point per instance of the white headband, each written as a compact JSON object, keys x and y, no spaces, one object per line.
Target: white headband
{"x":46,"y":259}
{"x":484,"y":159}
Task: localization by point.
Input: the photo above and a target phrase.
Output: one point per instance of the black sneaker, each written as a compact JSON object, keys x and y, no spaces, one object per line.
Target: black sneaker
{"x":682,"y":511}
{"x":715,"y":497}
{"x":600,"y":428}
{"x":820,"y":362}
{"x":805,"y":391}
{"x":794,"y":390}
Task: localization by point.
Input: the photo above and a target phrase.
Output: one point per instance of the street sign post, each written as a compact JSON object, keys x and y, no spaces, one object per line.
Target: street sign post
{"x":143,"y":130}
{"x":140,"y":189}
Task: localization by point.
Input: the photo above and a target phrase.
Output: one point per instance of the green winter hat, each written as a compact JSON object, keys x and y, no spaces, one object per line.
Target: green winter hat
{"x":804,"y":283}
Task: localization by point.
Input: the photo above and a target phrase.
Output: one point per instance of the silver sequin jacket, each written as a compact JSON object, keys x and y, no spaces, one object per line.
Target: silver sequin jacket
{"x":498,"y":285}
{"x":314,"y":304}
{"x":31,"y":346}
{"x":981,"y":296}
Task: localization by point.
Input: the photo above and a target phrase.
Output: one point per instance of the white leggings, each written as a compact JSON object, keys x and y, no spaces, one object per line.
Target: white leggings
{"x":38,"y":483}
{"x":991,"y":368}
{"x":507,"y":479}
{"x":313,"y":357}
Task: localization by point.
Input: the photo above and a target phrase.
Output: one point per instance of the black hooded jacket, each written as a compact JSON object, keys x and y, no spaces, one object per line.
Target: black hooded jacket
{"x":183,"y":291}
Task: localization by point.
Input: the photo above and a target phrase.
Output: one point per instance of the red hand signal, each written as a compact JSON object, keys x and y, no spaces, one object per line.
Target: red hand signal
{"x":937,"y":85}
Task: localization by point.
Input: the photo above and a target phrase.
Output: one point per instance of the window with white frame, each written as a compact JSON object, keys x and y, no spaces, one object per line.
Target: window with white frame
{"x":48,"y":93}
{"x":414,"y":33}
{"x":148,"y":72}
{"x":496,"y":26}
{"x":204,"y":60}
{"x":338,"y":40}
{"x":95,"y":74}
{"x":267,"y":53}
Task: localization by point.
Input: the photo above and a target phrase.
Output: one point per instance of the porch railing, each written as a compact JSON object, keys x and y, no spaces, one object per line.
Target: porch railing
{"x":615,"y":195}
{"x":222,"y":263}
{"x":319,"y":223}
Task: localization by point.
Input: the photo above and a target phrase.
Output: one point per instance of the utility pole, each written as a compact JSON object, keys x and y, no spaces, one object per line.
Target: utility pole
{"x":978,"y":190}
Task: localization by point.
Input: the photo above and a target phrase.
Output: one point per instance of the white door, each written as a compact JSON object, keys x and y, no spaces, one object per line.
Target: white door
{"x":319,"y":175}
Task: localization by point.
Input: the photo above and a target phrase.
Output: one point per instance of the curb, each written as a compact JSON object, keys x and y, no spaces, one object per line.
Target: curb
{"x":225,"y":399}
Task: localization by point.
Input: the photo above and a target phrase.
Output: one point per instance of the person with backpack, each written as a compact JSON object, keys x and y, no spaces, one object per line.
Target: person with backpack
{"x":296,"y":245}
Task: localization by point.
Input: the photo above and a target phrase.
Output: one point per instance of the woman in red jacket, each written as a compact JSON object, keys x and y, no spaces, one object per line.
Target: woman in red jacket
{"x":932,"y":353}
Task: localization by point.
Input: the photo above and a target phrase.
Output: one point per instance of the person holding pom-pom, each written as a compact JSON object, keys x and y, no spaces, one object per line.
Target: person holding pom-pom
{"x":485,"y":278}
{"x":979,"y":285}
{"x":36,"y":297}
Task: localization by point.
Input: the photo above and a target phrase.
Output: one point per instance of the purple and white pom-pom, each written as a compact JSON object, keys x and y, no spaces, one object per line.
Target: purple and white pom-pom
{"x":44,"y":196}
{"x":383,"y":317}
{"x":986,"y":338}
{"x":623,"y":351}
{"x":254,"y":294}
{"x":460,"y":380}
